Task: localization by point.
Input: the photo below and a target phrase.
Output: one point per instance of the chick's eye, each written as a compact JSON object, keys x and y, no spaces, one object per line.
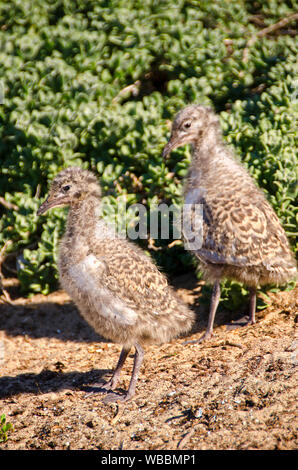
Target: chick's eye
{"x":66,"y":188}
{"x":187,"y":125}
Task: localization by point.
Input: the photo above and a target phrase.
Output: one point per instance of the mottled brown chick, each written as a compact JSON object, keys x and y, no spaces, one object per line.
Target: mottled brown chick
{"x":242,"y":238}
{"x":116,"y":286}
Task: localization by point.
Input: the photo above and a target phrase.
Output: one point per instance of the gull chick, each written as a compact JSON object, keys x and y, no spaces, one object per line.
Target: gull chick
{"x":242,"y":238}
{"x":116,"y":286}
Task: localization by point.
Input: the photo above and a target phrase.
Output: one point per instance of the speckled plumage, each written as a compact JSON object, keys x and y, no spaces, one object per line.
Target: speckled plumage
{"x":116,"y":286}
{"x":242,"y":236}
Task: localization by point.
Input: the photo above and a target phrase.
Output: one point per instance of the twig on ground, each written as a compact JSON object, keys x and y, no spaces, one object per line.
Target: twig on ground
{"x":185,"y":438}
{"x":37,"y":192}
{"x":151,"y":245}
{"x":263,"y":32}
{"x":235,"y":345}
{"x":8,"y":205}
{"x":119,"y":413}
{"x":175,"y":242}
{"x":133,"y":89}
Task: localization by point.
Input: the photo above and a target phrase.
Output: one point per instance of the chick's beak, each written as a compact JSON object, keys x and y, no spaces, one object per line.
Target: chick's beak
{"x":171,"y":145}
{"x":166,"y":150}
{"x":49,"y":203}
{"x":44,"y":207}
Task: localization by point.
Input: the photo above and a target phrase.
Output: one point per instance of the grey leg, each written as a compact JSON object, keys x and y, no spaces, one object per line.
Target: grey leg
{"x":215,"y":296}
{"x":111,"y":384}
{"x":252,"y":305}
{"x":251,"y":318}
{"x":138,"y":359}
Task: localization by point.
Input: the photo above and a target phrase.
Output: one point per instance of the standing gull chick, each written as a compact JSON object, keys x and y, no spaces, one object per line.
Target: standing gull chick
{"x":242,"y":237}
{"x":117,"y":288}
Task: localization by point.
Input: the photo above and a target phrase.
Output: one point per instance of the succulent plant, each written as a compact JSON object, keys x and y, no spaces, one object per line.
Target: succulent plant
{"x":95,"y":84}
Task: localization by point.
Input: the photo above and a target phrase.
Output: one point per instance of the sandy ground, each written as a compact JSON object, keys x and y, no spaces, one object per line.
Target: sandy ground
{"x":238,"y":391}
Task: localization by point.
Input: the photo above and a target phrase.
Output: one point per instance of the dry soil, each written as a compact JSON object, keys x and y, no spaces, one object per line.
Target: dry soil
{"x":237,"y":391}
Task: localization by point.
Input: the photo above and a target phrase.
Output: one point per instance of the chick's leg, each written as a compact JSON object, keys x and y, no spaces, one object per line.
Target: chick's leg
{"x":112,"y":383}
{"x":215,"y":296}
{"x":138,"y":359}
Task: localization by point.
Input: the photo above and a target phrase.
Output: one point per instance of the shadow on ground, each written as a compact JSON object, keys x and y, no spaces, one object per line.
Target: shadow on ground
{"x":49,"y":381}
{"x":46,"y":319}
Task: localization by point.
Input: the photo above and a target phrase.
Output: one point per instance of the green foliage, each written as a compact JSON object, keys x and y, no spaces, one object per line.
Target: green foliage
{"x":4,"y":428}
{"x":94,"y":83}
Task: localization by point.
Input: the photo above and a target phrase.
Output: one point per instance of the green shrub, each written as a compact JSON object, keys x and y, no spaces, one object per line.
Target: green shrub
{"x":94,"y":83}
{"x":4,"y":428}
